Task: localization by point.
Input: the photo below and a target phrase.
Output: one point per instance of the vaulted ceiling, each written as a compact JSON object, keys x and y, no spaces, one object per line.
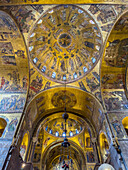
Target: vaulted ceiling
{"x":48,"y":52}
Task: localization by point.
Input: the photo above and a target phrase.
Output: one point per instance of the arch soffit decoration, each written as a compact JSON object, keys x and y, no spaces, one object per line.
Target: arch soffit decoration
{"x":13,"y":44}
{"x":75,"y":147}
{"x":14,"y":72}
{"x":52,"y":101}
{"x":114,"y":66}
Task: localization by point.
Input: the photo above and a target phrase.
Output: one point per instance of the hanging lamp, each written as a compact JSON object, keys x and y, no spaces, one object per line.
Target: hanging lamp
{"x":65,"y":144}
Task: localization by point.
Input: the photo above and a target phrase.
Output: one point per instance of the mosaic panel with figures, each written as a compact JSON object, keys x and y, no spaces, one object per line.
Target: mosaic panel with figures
{"x":113,"y":74}
{"x":13,"y":57}
{"x":65,"y":43}
{"x":56,"y":127}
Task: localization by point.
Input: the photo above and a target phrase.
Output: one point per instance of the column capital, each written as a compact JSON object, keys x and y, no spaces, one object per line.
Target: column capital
{"x":35,"y":139}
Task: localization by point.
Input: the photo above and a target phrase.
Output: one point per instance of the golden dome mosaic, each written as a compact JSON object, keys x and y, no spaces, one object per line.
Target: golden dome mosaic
{"x":65,"y":43}
{"x":56,"y":127}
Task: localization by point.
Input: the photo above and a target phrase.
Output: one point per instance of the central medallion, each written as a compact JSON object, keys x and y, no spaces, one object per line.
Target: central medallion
{"x":65,"y":44}
{"x":64,"y":40}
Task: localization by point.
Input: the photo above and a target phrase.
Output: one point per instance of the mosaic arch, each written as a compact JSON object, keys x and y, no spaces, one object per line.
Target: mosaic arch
{"x":52,"y":129}
{"x":14,"y":76}
{"x":82,"y":103}
{"x":46,"y":119}
{"x":113,"y":68}
{"x":65,"y":43}
{"x":55,"y":151}
{"x":45,"y":140}
{"x":14,"y":72}
{"x":13,"y":66}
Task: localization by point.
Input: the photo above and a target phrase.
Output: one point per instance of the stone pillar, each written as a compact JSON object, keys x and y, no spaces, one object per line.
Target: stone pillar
{"x":32,"y":148}
{"x":117,"y":155}
{"x":123,"y":143}
{"x":94,"y":142}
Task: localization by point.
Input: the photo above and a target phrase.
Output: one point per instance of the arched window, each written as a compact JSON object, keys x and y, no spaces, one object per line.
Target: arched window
{"x":125,"y":124}
{"x":24,"y":145}
{"x":88,"y":134}
{"x":3,"y":124}
{"x":104,"y":146}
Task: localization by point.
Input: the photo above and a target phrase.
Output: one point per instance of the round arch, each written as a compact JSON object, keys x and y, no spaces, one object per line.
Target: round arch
{"x":78,"y":102}
{"x":125,"y":124}
{"x":113,"y":67}
{"x":45,"y":138}
{"x":104,"y":145}
{"x":74,"y":152}
{"x":3,"y":125}
{"x":24,"y":145}
{"x":50,"y":103}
